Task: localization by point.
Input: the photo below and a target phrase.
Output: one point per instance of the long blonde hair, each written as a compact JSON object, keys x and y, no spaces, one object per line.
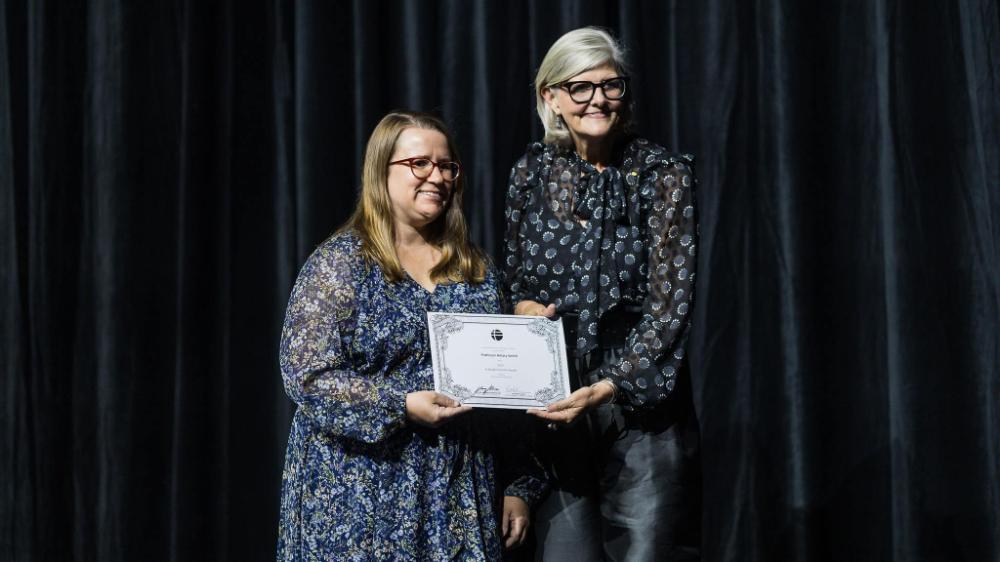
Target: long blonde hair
{"x":373,"y":222}
{"x":574,"y":53}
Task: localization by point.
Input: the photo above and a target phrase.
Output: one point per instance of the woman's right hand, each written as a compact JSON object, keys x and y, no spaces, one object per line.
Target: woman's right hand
{"x":533,"y":308}
{"x":432,"y":409}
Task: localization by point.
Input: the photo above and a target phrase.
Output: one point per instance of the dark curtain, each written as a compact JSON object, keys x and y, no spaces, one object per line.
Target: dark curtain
{"x":166,"y":167}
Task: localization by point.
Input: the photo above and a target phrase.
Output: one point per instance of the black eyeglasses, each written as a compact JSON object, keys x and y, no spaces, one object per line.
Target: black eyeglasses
{"x":582,"y":91}
{"x":422,"y":168}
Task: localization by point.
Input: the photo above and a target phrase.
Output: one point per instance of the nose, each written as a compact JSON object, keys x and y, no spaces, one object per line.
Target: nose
{"x":598,"y":101}
{"x":436,"y":177}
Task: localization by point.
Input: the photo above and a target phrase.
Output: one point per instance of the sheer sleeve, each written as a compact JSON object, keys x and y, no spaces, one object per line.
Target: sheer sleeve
{"x":518,"y":192}
{"x":315,"y":366}
{"x":645,"y":374}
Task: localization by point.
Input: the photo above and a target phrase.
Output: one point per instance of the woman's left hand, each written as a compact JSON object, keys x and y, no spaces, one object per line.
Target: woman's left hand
{"x":516,"y":519}
{"x":566,"y":411}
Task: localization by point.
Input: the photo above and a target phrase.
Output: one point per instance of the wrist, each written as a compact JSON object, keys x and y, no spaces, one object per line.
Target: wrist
{"x":412,"y":408}
{"x":605,"y":391}
{"x":407,"y":406}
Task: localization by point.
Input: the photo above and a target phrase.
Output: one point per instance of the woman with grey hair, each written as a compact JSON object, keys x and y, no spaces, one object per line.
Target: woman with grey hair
{"x":602,"y":233}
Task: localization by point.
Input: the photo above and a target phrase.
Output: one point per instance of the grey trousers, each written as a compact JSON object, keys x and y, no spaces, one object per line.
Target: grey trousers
{"x":627,"y":486}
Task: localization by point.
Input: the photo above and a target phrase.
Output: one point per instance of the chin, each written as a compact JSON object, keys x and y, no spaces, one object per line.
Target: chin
{"x":431,"y":215}
{"x":601,"y":132}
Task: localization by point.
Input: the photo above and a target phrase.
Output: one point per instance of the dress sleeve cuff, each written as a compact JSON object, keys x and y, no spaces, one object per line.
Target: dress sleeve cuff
{"x":528,"y":488}
{"x":392,"y":403}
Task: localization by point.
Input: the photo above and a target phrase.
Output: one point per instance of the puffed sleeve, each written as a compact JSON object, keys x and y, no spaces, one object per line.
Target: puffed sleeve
{"x":645,"y":374}
{"x":522,"y":177}
{"x":315,"y":366}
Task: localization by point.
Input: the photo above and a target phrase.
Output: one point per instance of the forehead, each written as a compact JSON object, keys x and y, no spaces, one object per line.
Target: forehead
{"x":596,"y":74}
{"x":421,"y":142}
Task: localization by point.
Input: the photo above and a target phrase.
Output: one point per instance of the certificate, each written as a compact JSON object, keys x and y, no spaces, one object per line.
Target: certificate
{"x":498,"y":360}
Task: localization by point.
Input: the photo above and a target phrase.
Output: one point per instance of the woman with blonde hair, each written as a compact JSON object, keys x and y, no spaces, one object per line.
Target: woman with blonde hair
{"x":379,"y":466}
{"x":602,"y":232}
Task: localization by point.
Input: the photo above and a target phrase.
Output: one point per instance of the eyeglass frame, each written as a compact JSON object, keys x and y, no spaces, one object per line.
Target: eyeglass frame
{"x":409,"y":164}
{"x":595,"y":85}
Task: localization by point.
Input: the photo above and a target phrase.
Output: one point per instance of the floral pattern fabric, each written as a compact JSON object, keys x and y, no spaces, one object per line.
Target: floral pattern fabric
{"x":360,"y":482}
{"x":589,"y":241}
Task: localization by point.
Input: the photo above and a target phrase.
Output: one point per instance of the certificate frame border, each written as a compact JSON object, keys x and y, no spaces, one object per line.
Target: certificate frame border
{"x":442,"y":324}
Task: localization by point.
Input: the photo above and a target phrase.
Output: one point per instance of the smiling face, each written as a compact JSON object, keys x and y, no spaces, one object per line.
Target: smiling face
{"x":593,"y":121}
{"x":417,"y":203}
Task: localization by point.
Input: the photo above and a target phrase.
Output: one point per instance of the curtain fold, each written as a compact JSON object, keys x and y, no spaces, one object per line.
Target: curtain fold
{"x":166,"y":168}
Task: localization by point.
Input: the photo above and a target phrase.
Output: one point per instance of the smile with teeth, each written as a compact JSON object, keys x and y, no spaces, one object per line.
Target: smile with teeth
{"x":431,"y":193}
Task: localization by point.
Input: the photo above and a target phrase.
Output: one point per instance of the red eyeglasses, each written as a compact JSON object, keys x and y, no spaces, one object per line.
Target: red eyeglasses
{"x":422,"y":168}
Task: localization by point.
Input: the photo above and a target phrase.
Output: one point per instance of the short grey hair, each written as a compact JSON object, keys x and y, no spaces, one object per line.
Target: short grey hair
{"x":576,"y":52}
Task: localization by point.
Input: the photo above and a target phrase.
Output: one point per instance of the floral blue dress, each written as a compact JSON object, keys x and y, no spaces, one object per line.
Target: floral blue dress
{"x":360,"y":482}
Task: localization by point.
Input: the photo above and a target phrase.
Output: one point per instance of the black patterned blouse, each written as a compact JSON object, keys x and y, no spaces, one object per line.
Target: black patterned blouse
{"x":589,"y":241}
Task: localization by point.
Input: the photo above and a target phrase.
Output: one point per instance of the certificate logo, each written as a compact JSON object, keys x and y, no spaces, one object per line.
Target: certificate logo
{"x":496,"y":335}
